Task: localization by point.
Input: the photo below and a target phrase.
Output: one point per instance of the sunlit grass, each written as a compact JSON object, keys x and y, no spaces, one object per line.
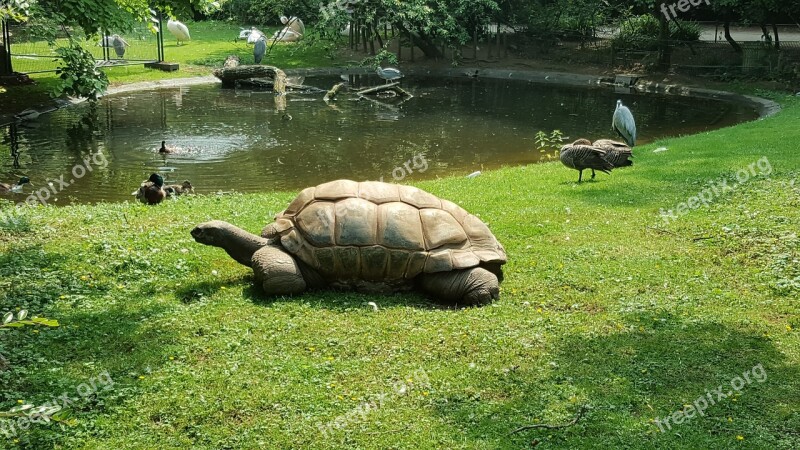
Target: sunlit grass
{"x":604,"y":304}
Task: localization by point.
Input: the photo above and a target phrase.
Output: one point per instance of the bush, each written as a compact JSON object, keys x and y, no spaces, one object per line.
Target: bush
{"x":642,"y":32}
{"x":266,"y":12}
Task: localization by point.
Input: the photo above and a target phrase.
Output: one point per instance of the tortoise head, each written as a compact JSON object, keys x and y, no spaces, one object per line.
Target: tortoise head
{"x":238,"y":243}
{"x":213,"y":233}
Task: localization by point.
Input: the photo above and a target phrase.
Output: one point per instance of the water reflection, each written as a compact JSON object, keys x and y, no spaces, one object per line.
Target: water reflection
{"x":253,"y":141}
{"x":11,"y":138}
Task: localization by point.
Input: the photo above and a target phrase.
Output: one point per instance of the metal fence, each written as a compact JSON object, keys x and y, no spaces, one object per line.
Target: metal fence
{"x":32,"y":53}
{"x":718,"y":57}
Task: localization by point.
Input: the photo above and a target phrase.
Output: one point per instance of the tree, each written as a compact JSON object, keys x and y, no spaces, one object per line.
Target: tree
{"x":427,"y":23}
{"x":16,"y":10}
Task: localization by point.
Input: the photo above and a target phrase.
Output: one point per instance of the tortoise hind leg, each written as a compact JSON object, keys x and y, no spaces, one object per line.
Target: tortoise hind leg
{"x":474,"y":286}
{"x":277,"y":272}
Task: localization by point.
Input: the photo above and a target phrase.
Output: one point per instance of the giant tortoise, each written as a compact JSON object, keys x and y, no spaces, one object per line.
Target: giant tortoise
{"x":371,"y":237}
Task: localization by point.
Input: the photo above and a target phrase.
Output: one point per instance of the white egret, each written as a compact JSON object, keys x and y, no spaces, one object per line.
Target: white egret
{"x":254,"y":35}
{"x":389,"y":73}
{"x":622,"y":122}
{"x":179,"y":30}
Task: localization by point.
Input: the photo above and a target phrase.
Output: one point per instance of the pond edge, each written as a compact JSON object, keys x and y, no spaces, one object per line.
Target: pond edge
{"x":764,"y":107}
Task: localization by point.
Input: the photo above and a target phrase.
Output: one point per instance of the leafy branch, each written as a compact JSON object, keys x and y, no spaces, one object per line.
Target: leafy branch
{"x":21,"y":321}
{"x":35,"y":414}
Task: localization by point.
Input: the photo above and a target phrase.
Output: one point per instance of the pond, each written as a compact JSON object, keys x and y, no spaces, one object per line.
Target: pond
{"x":237,"y":140}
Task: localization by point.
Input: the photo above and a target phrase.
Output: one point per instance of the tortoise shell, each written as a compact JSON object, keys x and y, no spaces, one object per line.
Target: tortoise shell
{"x":380,"y":231}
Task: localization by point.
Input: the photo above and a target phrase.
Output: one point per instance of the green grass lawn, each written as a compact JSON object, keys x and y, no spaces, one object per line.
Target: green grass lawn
{"x":211,"y":43}
{"x":165,"y":344}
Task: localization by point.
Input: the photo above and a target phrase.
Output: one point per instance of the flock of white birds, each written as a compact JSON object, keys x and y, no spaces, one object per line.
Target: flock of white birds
{"x":292,"y":31}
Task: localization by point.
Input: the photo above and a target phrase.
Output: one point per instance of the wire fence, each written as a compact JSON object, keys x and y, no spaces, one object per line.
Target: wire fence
{"x":31,"y":52}
{"x":717,"y":57}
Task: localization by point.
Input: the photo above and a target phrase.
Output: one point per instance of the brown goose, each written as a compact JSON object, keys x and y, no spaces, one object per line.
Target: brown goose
{"x":617,"y":153}
{"x":582,"y":155}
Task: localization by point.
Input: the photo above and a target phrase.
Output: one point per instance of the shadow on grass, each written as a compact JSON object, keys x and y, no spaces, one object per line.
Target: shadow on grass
{"x":28,"y":280}
{"x":90,"y":365}
{"x":651,"y":370}
{"x":340,"y":300}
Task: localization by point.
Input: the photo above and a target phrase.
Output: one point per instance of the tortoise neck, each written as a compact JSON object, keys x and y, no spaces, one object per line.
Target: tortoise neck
{"x":241,"y":245}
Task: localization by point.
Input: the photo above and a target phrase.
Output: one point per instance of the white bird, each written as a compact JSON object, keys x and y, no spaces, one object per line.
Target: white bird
{"x":286,"y":35}
{"x":254,"y":35}
{"x":474,"y":174}
{"x":622,"y":122}
{"x":179,"y":30}
{"x":295,"y":24}
{"x":244,"y":33}
{"x":374,"y":305}
{"x":389,"y":73}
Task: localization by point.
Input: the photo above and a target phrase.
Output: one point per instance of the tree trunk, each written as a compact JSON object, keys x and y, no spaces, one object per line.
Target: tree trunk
{"x":370,"y":32}
{"x":664,"y":46}
{"x":736,"y":47}
{"x":775,"y":32}
{"x":377,"y":34}
{"x":5,"y":61}
{"x":475,"y":43}
{"x":5,"y":52}
{"x":364,"y":33}
{"x":765,"y":33}
{"x":351,"y":33}
{"x":230,"y":75}
{"x":422,"y":41}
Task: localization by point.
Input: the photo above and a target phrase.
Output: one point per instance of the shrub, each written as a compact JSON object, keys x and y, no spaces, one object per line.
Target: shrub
{"x":642,"y":32}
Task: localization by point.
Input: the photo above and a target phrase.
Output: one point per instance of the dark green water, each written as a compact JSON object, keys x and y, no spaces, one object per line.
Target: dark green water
{"x":238,"y":140}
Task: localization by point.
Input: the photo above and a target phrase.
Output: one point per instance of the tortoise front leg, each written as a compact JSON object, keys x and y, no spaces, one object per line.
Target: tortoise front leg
{"x":277,"y":272}
{"x":474,"y":286}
